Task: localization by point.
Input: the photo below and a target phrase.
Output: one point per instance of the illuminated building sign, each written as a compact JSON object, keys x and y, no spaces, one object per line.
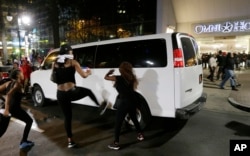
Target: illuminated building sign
{"x":224,"y":27}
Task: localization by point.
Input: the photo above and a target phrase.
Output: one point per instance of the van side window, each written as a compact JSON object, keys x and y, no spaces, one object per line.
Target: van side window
{"x":49,"y":60}
{"x":143,"y":53}
{"x":85,"y":56}
{"x":189,"y":52}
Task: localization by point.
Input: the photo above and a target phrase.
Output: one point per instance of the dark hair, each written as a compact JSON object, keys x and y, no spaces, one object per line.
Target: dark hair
{"x":64,"y":49}
{"x":14,"y":73}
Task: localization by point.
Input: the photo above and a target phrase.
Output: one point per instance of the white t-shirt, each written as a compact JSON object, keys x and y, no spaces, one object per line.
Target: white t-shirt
{"x":212,"y":61}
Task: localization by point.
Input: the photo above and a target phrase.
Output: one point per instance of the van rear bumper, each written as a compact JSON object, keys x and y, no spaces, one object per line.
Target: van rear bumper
{"x":188,"y":111}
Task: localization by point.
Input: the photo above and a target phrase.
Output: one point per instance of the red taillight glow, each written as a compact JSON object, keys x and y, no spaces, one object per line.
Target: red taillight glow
{"x":5,"y":75}
{"x":178,"y":59}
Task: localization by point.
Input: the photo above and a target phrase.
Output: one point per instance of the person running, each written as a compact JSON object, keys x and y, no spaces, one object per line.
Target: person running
{"x":125,"y":84}
{"x":13,"y":89}
{"x":229,"y":72}
{"x":65,"y":67}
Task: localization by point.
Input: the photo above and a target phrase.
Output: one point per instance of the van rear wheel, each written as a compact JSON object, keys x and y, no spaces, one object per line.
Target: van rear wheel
{"x":142,"y":112}
{"x":38,"y":96}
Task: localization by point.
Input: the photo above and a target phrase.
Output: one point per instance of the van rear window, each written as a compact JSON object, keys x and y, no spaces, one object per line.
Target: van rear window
{"x":190,"y":57}
{"x":145,"y":53}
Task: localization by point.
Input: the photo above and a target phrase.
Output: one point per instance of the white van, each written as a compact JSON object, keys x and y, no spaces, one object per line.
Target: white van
{"x":167,"y":66}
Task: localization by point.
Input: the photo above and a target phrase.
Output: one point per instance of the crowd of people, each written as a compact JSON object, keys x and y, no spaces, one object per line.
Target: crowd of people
{"x":26,"y":68}
{"x":26,"y":65}
{"x":222,"y":65}
{"x":242,"y":60}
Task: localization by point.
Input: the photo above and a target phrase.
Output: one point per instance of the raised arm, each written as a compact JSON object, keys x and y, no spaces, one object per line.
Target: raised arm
{"x":79,"y":70}
{"x":109,"y":75}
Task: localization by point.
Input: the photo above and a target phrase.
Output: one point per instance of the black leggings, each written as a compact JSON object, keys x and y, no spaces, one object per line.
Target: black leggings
{"x":125,"y":107}
{"x":64,"y":99}
{"x":22,"y":115}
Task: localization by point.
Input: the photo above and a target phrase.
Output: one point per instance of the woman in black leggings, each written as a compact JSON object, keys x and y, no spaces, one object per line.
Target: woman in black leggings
{"x":125,"y":84}
{"x":14,"y":95}
{"x":67,"y":91}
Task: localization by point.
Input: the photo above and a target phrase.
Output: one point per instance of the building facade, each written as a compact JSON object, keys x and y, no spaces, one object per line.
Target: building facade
{"x":216,"y":24}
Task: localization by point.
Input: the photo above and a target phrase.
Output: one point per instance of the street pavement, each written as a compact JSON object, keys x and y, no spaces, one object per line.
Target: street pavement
{"x":238,"y":99}
{"x":241,"y":99}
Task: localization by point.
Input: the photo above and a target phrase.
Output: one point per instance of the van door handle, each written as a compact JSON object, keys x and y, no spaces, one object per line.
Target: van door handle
{"x":189,"y":90}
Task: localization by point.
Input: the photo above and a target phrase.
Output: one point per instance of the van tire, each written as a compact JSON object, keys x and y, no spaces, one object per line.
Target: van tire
{"x":38,"y":96}
{"x":143,"y":114}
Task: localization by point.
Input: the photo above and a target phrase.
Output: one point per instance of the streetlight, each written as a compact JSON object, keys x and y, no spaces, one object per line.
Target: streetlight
{"x":19,"y":38}
{"x":20,"y":21}
{"x":9,"y":17}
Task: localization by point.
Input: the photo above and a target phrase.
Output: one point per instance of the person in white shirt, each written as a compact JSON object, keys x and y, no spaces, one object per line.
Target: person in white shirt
{"x":212,"y":66}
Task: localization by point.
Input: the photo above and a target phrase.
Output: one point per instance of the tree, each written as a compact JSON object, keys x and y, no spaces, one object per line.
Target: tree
{"x":52,"y":8}
{"x":54,"y":20}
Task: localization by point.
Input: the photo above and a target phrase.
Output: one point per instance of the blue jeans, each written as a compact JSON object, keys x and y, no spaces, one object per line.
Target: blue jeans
{"x":229,"y":74}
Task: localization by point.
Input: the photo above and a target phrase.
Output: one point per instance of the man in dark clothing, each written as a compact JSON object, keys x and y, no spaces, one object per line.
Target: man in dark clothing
{"x":220,"y":63}
{"x":229,"y":72}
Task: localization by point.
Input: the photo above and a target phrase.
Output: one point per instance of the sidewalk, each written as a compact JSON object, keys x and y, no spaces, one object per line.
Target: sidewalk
{"x":241,"y":99}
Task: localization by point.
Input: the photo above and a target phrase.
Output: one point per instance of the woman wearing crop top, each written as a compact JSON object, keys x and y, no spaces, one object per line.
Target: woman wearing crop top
{"x":67,"y":91}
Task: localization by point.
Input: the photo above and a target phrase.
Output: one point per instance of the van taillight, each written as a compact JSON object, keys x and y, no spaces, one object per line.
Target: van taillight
{"x":178,"y":59}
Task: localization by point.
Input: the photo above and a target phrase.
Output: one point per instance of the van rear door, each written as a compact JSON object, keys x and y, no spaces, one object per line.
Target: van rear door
{"x":187,"y":69}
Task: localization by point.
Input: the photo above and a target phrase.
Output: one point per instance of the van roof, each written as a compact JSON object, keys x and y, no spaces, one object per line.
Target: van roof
{"x":123,"y":40}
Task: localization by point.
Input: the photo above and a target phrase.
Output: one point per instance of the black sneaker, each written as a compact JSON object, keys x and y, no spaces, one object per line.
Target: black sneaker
{"x":71,"y":144}
{"x":114,"y":146}
{"x":234,"y":89}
